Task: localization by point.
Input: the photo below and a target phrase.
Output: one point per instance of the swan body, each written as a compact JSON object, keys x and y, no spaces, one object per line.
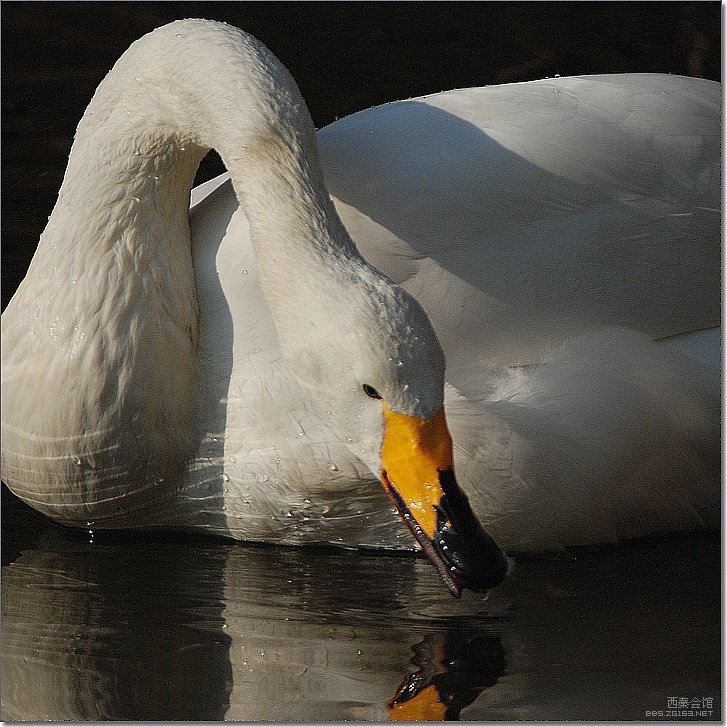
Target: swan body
{"x":545,"y":233}
{"x":553,"y":230}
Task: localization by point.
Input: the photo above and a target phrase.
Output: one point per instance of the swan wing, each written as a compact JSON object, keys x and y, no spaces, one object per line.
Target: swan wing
{"x":520,"y":215}
{"x":565,"y":223}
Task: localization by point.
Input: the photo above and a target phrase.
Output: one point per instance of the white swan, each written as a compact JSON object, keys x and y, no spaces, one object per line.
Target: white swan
{"x":254,"y":386}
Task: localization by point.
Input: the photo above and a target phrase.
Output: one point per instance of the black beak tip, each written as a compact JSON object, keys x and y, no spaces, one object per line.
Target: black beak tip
{"x":473,"y":559}
{"x":462,"y":552}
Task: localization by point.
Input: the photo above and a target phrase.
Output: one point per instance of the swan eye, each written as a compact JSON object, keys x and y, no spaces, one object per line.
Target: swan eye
{"x":370,"y":391}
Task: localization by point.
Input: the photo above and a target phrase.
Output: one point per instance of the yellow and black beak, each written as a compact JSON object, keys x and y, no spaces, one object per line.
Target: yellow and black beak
{"x":417,"y":472}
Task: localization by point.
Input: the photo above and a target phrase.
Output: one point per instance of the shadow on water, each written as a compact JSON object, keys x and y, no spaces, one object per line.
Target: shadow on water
{"x":124,"y":626}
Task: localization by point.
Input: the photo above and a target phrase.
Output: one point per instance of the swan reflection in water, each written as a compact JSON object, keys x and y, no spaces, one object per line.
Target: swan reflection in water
{"x":186,"y":628}
{"x":160,"y":629}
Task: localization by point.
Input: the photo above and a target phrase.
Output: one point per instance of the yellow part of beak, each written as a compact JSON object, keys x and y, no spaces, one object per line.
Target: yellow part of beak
{"x":414,"y":453}
{"x":417,"y":472}
{"x":425,"y":706}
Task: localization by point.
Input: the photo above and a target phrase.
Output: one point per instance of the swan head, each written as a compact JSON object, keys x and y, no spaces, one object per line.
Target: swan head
{"x":375,"y":368}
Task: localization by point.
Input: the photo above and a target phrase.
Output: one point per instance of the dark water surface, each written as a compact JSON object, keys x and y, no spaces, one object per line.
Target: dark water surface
{"x":177,"y":628}
{"x":158,"y":627}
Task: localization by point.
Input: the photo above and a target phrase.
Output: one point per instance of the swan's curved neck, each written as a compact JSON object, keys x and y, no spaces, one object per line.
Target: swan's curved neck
{"x":116,"y":254}
{"x":115,"y":263}
{"x":174,"y":94}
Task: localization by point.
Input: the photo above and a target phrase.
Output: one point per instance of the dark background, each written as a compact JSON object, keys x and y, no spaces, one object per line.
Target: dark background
{"x":345,"y":56}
